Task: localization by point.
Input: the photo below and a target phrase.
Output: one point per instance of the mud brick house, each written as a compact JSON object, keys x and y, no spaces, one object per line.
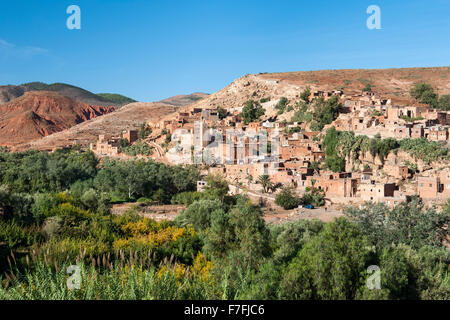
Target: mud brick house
{"x":440,"y":117}
{"x":338,"y":184}
{"x":428,"y":188}
{"x":402,"y":132}
{"x":210,"y":115}
{"x":377,"y":192}
{"x":438,"y":133}
{"x":417,"y":131}
{"x":131,"y":136}
{"x":396,"y":171}
{"x":394,"y":113}
{"x":343,"y":124}
{"x":444,"y":178}
{"x":105,"y":147}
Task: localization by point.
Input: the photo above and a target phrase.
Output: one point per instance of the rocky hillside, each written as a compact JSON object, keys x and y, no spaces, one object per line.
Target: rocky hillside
{"x":128,"y":117}
{"x":40,"y":113}
{"x":8,"y":93}
{"x":392,"y":83}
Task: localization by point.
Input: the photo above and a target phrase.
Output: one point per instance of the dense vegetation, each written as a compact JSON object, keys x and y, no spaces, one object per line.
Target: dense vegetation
{"x":340,"y":146}
{"x":424,"y":93}
{"x":252,"y":111}
{"x":288,"y":199}
{"x":116,"y":98}
{"x":317,"y":112}
{"x":55,"y":213}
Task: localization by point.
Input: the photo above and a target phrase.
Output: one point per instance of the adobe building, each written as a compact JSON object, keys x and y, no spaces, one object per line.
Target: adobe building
{"x":444,"y":177}
{"x":131,"y":136}
{"x":338,"y":184}
{"x":377,"y":192}
{"x":438,"y":133}
{"x":396,"y":171}
{"x":105,"y":147}
{"x":428,"y":187}
{"x":417,"y":131}
{"x":402,"y":132}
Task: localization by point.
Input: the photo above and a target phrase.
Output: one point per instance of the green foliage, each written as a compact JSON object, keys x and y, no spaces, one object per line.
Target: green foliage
{"x":315,"y":197}
{"x":290,"y":237}
{"x":142,"y":179}
{"x":144,"y":131}
{"x":139,"y":148}
{"x":409,"y":119}
{"x":306,"y":94}
{"x":325,"y":112}
{"x":133,"y":283}
{"x":329,"y":265}
{"x":252,"y":111}
{"x":266,"y":183}
{"x":287,"y":198}
{"x":198,"y":214}
{"x":444,"y":102}
{"x":427,"y":151}
{"x":187,"y":198}
{"x":218,"y":248}
{"x":424,"y":93}
{"x":33,"y":171}
{"x":367,"y":88}
{"x":116,"y":98}
{"x":281,"y":105}
{"x":222,"y":113}
{"x":407,"y":223}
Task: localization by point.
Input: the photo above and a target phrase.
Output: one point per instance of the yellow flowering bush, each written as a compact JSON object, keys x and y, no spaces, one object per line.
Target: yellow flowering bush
{"x":147,"y":234}
{"x":202,"y":267}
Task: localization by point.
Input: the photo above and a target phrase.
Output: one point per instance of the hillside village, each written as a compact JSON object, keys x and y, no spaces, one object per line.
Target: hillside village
{"x":298,"y":157}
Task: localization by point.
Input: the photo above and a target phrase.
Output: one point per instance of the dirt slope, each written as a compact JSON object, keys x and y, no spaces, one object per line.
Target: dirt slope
{"x":40,"y":113}
{"x":128,"y":117}
{"x":390,"y":83}
{"x":184,"y":100}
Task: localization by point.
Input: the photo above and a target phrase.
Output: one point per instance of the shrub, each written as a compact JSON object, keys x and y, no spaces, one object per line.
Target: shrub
{"x":288,"y":199}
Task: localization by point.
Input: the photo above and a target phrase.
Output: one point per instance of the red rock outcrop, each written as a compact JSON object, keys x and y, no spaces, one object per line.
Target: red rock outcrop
{"x":40,"y":113}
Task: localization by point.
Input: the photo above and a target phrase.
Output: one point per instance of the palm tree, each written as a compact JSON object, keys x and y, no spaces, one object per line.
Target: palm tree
{"x":264,"y":180}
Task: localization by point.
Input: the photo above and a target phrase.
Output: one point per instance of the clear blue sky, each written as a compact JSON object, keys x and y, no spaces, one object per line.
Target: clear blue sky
{"x":150,"y":50}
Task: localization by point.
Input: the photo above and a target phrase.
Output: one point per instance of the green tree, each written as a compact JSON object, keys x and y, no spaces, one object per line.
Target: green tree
{"x":306,"y":94}
{"x":329,"y":266}
{"x":444,"y":102}
{"x":199,"y":214}
{"x":266,"y":183}
{"x":222,"y":113}
{"x":424,"y":93}
{"x":287,"y":199}
{"x":252,"y":111}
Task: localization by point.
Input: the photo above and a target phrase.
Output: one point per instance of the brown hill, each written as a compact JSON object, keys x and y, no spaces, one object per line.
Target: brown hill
{"x":10,"y":92}
{"x":389,"y":83}
{"x":184,"y":100}
{"x":37,"y":114}
{"x":129,"y":117}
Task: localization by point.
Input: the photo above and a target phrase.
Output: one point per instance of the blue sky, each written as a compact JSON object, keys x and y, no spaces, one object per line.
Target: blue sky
{"x":150,"y":50}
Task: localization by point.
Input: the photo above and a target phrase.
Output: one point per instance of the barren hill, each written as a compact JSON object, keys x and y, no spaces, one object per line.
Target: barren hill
{"x":387,"y":82}
{"x":391,"y":83}
{"x":40,"y":113}
{"x":128,"y":117}
{"x":184,"y":100}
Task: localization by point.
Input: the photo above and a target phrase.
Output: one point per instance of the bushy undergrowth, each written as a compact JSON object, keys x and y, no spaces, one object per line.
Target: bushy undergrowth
{"x":219,"y":247}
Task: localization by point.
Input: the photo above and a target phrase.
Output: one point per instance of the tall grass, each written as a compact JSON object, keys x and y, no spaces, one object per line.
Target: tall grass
{"x":116,"y":283}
